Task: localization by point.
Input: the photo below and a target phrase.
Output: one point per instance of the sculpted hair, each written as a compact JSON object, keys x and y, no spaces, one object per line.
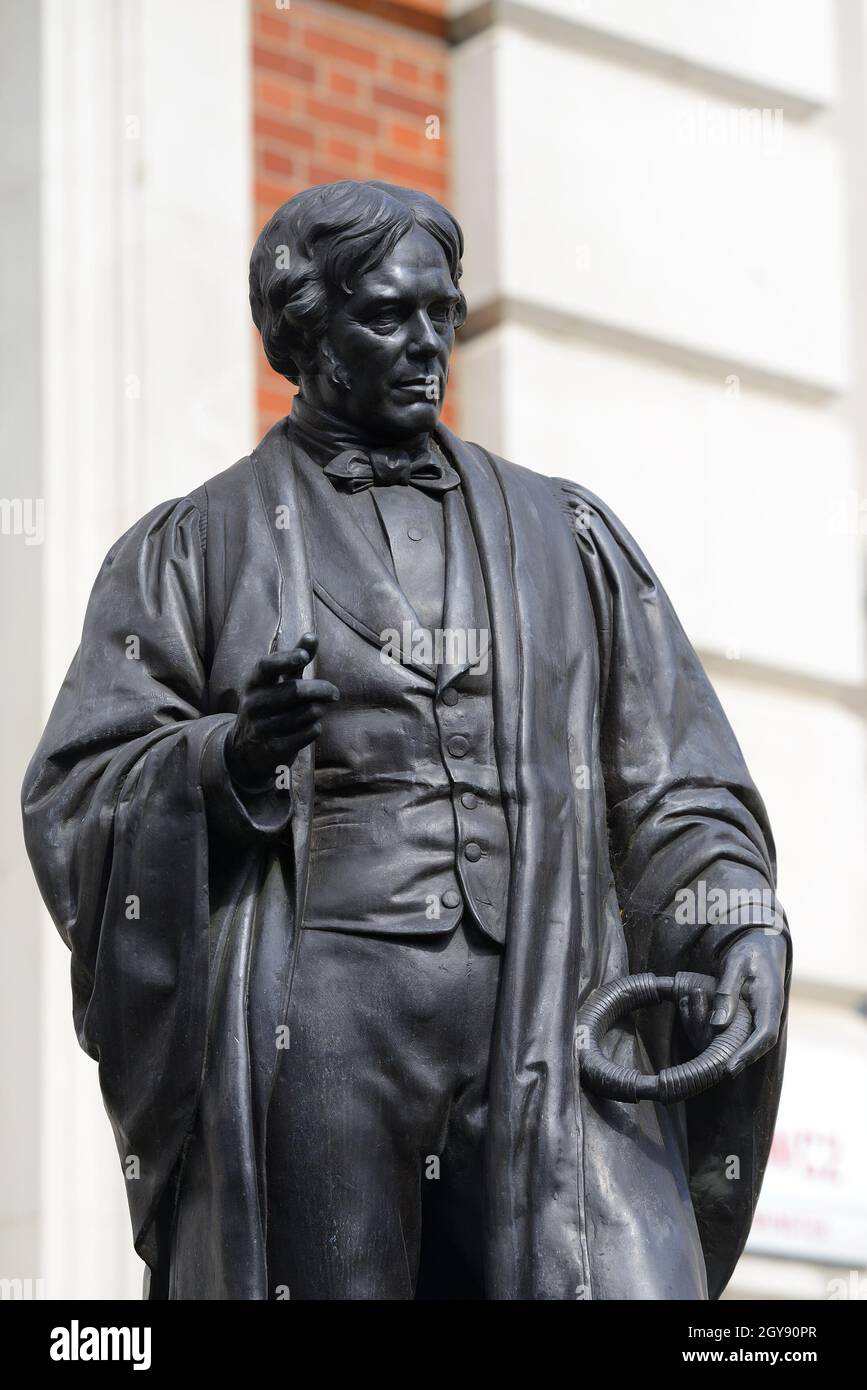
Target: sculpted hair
{"x":320,"y":242}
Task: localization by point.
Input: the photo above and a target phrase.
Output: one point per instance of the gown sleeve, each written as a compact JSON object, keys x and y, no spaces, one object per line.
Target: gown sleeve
{"x":125,"y":802}
{"x":692,"y":850}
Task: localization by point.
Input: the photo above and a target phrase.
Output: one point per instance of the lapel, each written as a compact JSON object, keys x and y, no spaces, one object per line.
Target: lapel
{"x":491,"y":528}
{"x":347,"y":573}
{"x":464,"y":608}
{"x":278,"y":495}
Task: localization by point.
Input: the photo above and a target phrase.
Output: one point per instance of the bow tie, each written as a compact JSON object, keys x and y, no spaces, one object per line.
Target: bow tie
{"x":357,"y":469}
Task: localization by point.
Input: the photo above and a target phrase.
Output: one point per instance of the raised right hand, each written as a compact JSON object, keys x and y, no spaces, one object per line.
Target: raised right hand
{"x":278,"y":715}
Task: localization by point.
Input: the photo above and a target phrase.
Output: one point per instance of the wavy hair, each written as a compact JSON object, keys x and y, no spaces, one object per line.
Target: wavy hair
{"x":320,"y":242}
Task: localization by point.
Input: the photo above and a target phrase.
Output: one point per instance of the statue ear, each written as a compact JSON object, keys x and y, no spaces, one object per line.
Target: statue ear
{"x":329,"y":365}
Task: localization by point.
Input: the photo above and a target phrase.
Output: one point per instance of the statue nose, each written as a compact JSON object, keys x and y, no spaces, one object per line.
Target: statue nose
{"x":425,"y":338}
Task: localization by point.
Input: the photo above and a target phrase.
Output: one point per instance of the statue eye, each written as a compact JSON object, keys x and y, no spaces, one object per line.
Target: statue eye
{"x":442,"y":313}
{"x":385,"y":322}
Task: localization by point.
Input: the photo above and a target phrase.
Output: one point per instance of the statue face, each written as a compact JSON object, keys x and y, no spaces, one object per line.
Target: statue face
{"x":390,"y":344}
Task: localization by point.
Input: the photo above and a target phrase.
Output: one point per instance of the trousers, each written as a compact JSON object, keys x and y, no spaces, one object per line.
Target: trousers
{"x":376,"y":1126}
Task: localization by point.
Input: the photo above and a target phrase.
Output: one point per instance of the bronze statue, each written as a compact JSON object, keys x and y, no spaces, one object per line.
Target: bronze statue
{"x":379,"y":757}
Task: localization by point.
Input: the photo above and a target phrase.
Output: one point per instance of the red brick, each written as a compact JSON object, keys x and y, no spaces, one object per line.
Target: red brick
{"x":387,"y":96}
{"x":345,"y":86}
{"x":406,"y":172}
{"x":319,"y":42}
{"x":329,"y":173}
{"x":277,"y":163}
{"x":271,"y":194}
{"x":342,"y":151}
{"x":272,"y":26}
{"x":402,"y":71}
{"x":274,"y":94}
{"x":331,"y":114}
{"x":284,"y":133}
{"x":409,"y":137}
{"x":285,"y":63}
{"x":435,"y":151}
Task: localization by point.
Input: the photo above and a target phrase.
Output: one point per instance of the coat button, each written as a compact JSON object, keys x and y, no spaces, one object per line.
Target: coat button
{"x":473,"y":852}
{"x":458,"y":746}
{"x":470,"y":801}
{"x":415,"y":533}
{"x":451,"y":898}
{"x":450,"y":696}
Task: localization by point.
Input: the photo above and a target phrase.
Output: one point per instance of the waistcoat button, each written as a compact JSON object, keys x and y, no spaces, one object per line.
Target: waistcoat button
{"x":458,"y":746}
{"x":415,"y":534}
{"x":473,"y":851}
{"x":470,"y":801}
{"x":450,"y":696}
{"x":451,"y":898}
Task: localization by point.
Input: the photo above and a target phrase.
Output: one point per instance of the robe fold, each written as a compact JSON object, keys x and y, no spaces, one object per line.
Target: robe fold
{"x":180,"y":899}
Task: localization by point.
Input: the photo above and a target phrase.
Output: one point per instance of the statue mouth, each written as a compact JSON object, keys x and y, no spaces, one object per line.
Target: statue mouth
{"x":420,"y":385}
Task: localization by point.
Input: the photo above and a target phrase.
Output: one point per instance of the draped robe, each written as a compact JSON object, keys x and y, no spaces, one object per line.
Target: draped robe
{"x":622,"y":784}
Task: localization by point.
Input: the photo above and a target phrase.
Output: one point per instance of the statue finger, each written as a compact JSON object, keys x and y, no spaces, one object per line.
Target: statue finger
{"x":760,"y":1041}
{"x":282,"y":666}
{"x":699,"y":1010}
{"x":725,"y":1000}
{"x":276,"y":699}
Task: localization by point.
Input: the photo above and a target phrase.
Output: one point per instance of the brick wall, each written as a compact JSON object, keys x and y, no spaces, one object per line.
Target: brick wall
{"x":345,"y":91}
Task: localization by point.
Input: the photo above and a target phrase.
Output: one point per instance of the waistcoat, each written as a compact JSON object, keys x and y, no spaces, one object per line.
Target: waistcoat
{"x":408,"y":830}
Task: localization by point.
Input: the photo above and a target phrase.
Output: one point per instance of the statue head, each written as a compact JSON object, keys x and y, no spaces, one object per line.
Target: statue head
{"x":355,"y":290}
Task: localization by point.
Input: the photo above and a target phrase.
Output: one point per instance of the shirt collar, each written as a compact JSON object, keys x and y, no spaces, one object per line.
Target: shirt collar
{"x":326,"y":435}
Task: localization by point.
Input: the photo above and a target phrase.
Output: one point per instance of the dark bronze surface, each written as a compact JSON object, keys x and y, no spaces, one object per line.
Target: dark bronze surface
{"x":335,"y":885}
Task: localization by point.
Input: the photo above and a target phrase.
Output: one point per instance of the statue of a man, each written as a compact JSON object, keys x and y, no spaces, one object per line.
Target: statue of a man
{"x":378,"y":755}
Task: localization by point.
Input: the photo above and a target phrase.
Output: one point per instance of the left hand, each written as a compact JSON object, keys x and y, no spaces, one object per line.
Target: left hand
{"x":753,"y":968}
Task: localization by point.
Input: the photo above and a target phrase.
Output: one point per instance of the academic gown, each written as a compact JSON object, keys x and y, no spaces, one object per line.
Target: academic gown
{"x":622,"y":784}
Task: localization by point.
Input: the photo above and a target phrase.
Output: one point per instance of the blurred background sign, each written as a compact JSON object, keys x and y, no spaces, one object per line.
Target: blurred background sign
{"x":814,"y":1200}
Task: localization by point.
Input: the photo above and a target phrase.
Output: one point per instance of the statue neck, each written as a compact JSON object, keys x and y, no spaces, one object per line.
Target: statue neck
{"x":336,"y":434}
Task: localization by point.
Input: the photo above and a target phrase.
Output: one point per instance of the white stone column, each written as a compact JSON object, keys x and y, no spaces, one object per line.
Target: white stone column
{"x":20,"y":626}
{"x":139,"y":343}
